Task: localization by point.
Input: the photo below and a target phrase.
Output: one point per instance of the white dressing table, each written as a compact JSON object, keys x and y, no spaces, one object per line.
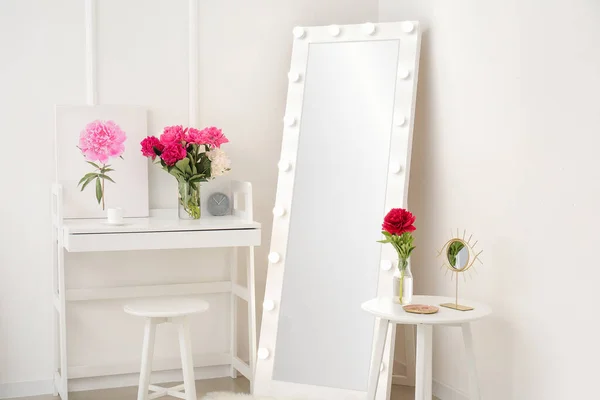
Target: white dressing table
{"x":162,"y":230}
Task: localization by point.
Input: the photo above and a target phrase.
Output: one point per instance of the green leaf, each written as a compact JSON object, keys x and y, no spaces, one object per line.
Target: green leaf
{"x":88,"y":182}
{"x":108,"y":178}
{"x":94,"y":164}
{"x":156,"y":151}
{"x":205,"y":162}
{"x":98,"y":190}
{"x":105,"y":170}
{"x":386,"y":234}
{"x":86,"y":177}
{"x":184,"y":166}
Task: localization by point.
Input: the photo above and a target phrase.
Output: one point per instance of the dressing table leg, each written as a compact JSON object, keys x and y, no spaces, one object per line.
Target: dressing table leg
{"x":471,"y":366}
{"x":381,"y":334}
{"x":62,"y":322}
{"x":251,"y":318}
{"x":423,"y":385}
{"x":233,"y":312}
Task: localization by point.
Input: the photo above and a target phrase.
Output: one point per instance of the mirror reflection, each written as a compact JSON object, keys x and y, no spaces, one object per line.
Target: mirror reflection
{"x":323,"y":336}
{"x":458,"y":255}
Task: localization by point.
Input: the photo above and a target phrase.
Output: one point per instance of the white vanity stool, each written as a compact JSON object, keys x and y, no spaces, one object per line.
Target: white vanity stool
{"x":161,"y":310}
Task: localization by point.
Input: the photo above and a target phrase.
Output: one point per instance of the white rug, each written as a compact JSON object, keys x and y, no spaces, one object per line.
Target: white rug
{"x":234,"y":396}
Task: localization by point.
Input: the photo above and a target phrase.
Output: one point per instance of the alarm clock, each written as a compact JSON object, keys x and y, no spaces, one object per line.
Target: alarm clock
{"x":218,"y":204}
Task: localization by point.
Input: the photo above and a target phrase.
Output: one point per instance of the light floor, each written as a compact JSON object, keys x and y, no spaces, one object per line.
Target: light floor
{"x":239,"y":385}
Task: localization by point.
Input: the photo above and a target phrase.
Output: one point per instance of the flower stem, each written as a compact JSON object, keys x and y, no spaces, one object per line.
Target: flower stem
{"x":103,"y":194}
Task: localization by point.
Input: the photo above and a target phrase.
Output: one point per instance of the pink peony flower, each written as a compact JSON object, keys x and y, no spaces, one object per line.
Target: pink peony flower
{"x":173,"y":153}
{"x":173,"y":134}
{"x":196,"y":136}
{"x":210,"y":136}
{"x":101,"y":140}
{"x":148,"y":145}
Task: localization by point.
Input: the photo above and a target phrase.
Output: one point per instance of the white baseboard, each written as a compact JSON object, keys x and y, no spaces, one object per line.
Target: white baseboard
{"x":445,"y":392}
{"x":22,"y":389}
{"x":35,"y":388}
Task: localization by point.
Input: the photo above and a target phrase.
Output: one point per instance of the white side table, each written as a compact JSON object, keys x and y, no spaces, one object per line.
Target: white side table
{"x":388,"y":312}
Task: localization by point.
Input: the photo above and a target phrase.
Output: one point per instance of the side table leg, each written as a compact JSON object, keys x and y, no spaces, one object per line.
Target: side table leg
{"x":472,"y":369}
{"x":381,"y":334}
{"x":423,"y":375}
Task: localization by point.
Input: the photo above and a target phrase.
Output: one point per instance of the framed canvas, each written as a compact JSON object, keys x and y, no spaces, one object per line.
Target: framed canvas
{"x":130,"y":171}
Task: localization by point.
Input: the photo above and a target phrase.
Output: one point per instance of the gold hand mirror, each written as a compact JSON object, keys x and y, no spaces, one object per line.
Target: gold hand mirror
{"x":459,"y":256}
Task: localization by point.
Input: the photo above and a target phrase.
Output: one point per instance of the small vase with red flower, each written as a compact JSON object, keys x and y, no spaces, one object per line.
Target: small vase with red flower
{"x":398,"y":226}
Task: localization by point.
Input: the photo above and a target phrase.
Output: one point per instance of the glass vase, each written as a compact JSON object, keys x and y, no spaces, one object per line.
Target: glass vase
{"x":403,"y":285}
{"x":189,"y":200}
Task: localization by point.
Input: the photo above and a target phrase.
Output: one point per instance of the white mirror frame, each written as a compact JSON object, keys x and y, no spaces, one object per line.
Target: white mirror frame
{"x":409,"y":35}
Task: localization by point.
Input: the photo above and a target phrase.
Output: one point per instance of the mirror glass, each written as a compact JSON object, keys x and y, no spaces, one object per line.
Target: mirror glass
{"x":458,"y":255}
{"x":332,"y":260}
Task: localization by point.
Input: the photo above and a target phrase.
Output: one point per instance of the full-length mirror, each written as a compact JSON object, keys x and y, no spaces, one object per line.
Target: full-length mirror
{"x":345,"y":155}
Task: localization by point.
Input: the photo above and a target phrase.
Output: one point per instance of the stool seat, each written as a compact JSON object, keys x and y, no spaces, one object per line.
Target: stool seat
{"x":166,"y":307}
{"x":160,"y":310}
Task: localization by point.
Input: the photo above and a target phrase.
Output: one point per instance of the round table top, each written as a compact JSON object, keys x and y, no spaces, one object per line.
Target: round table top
{"x":386,"y":308}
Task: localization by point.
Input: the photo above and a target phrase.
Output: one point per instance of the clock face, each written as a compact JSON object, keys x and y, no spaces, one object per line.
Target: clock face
{"x":218,"y":204}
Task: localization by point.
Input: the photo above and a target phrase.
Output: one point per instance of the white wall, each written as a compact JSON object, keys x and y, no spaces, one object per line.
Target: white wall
{"x":506,"y":145}
{"x":142,"y":59}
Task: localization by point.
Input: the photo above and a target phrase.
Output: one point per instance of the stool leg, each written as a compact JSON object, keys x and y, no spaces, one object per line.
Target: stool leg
{"x":187,"y":361}
{"x":147,"y":355}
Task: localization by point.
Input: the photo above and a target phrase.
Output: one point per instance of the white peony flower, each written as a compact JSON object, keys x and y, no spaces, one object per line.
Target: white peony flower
{"x":220,"y":164}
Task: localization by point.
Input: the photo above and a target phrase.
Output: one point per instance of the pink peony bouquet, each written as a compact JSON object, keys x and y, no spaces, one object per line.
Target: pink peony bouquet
{"x":99,"y":141}
{"x":191,"y":156}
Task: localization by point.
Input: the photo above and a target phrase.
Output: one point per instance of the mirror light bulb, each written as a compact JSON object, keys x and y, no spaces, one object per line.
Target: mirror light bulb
{"x":278,"y":211}
{"x":386,"y":265}
{"x":274,"y":257}
{"x":334,"y":30}
{"x":284,"y":165}
{"x":299,"y":32}
{"x":289,"y":121}
{"x":293,"y":76}
{"x":404,"y":74}
{"x":263,"y":353}
{"x":269,"y":305}
{"x":400,"y":120}
{"x":369,"y":28}
{"x":408,"y":26}
{"x":396,"y":168}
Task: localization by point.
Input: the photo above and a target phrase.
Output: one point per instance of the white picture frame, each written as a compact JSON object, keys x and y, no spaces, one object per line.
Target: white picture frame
{"x":130,"y":192}
{"x":408,"y":34}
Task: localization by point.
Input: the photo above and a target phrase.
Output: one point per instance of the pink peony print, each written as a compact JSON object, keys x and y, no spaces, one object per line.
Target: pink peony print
{"x":101,"y":140}
{"x":173,"y":134}
{"x":148,"y":146}
{"x":173,"y":153}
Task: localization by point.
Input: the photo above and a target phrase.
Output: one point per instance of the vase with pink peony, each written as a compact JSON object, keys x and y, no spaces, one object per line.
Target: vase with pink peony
{"x":192,"y":156}
{"x":99,"y":141}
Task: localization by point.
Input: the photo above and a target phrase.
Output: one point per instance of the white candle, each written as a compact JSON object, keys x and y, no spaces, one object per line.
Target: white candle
{"x":115,"y":215}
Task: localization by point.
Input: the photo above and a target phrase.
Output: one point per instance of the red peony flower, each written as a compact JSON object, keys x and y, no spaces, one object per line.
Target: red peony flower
{"x":399,"y":221}
{"x":173,"y":153}
{"x":148,"y":145}
{"x":173,"y":134}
